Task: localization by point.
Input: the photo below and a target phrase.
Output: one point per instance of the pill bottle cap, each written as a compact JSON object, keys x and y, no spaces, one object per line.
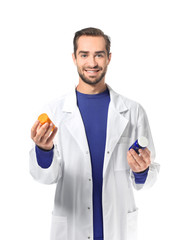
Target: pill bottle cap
{"x":143,"y":141}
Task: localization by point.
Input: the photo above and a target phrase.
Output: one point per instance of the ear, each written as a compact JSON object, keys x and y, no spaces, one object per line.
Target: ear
{"x":109,"y":57}
{"x":74,"y":59}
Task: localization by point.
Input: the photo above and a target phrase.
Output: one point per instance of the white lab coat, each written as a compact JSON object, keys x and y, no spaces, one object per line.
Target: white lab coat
{"x":71,"y":169}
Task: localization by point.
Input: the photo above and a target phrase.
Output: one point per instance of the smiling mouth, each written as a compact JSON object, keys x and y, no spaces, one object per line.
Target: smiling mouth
{"x":92,"y":71}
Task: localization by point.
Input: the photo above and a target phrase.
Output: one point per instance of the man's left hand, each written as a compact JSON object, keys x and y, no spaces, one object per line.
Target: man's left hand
{"x":139,"y":163}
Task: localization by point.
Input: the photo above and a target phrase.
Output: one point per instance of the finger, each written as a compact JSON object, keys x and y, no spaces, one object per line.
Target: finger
{"x":148,"y":151}
{"x":138,"y":159}
{"x":51,"y":137}
{"x":41,"y":132}
{"x":39,"y":126}
{"x":145,"y":155}
{"x":145,"y":150}
{"x":132,"y":162}
{"x":34,"y":129}
{"x":47,"y":133}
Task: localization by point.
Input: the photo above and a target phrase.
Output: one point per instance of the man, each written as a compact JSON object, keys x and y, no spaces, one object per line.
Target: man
{"x":88,"y":157}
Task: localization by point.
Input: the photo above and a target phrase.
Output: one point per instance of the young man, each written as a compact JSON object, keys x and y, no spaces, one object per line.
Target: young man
{"x":88,"y":156}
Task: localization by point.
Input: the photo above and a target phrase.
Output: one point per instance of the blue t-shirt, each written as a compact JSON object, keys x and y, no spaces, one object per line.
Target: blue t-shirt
{"x":94,"y":112}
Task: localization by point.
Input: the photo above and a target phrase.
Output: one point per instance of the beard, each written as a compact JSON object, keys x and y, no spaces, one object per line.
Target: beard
{"x":95,"y":79}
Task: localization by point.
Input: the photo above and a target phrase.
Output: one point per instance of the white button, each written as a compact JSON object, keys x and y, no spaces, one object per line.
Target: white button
{"x":108,"y":152}
{"x":86,"y":152}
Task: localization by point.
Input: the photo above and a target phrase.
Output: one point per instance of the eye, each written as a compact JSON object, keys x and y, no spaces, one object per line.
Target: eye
{"x":83,"y":56}
{"x":99,"y":55}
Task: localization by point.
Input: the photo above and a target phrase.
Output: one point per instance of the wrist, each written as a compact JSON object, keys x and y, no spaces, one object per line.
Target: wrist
{"x":144,"y":171}
{"x":45,"y":149}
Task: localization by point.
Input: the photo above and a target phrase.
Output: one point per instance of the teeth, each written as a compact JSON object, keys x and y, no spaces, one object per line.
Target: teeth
{"x":92,"y":71}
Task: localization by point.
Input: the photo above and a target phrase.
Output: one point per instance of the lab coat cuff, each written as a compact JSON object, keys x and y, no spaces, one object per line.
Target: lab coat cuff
{"x":141,"y":177}
{"x":44,"y":157}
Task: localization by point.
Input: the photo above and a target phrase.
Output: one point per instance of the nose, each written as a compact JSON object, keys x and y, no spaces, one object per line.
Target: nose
{"x":92,"y":62}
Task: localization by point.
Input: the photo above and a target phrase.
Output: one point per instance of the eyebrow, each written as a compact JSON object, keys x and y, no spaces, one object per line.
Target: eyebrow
{"x":100,"y":52}
{"x":86,"y":52}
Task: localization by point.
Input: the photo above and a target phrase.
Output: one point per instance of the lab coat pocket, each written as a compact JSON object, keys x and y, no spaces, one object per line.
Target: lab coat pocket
{"x":124,"y":139}
{"x":132,"y":225}
{"x":59,"y":228}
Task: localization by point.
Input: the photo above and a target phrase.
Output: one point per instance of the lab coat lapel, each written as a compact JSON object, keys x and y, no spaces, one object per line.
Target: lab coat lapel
{"x":116,"y":124}
{"x":73,"y":121}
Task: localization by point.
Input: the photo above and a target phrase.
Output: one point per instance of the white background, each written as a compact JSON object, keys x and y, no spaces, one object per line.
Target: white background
{"x":149,"y":65}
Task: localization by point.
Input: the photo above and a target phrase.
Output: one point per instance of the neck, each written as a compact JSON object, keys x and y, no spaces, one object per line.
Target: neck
{"x":91,"y":89}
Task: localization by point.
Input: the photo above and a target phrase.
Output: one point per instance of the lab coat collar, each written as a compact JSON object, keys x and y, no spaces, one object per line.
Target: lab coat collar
{"x":116,"y":100}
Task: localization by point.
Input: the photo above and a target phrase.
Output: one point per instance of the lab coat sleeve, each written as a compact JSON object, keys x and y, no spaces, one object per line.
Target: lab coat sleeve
{"x":54,"y":172}
{"x":143,"y":129}
{"x":46,"y":175}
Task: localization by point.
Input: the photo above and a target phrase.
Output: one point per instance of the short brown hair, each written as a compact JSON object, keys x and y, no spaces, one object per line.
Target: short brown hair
{"x":95,"y":32}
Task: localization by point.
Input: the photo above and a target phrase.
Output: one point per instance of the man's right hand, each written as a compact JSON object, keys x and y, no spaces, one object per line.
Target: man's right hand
{"x":43,"y":135}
